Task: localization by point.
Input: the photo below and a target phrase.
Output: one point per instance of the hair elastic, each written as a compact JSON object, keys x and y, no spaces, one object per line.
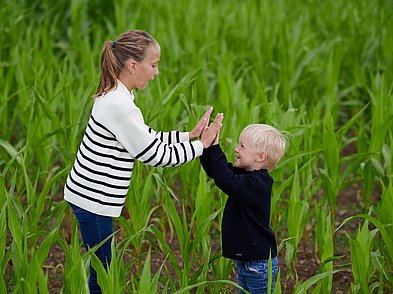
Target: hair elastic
{"x":114,"y":44}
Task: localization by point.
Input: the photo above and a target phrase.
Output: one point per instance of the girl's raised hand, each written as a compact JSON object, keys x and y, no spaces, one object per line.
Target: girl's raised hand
{"x":201,"y":126}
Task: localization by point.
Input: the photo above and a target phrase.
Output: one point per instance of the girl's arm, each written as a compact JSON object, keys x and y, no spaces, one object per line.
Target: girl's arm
{"x":177,"y":136}
{"x":141,"y":142}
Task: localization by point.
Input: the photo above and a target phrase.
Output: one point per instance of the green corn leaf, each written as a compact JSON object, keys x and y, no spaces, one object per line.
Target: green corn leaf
{"x":303,"y":287}
{"x":145,"y":281}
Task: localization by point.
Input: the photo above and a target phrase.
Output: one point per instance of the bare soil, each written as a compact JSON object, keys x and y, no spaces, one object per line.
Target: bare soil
{"x":307,"y":264}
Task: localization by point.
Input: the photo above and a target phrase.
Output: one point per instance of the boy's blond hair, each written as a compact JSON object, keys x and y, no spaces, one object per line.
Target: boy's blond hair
{"x":265,"y":138}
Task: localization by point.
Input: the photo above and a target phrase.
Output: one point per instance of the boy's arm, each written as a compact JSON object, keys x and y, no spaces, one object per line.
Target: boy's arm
{"x":205,"y":161}
{"x":214,"y":130}
{"x":241,"y":187}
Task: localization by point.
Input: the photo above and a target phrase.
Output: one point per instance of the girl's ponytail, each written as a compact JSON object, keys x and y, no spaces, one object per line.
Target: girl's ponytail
{"x":110,"y":69}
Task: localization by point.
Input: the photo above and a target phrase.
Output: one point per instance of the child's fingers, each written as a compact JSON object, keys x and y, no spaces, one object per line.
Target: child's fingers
{"x":217,"y":138}
{"x":210,"y":135}
{"x":217,"y":123}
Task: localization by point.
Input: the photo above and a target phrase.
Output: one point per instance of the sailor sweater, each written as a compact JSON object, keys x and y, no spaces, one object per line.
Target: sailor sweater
{"x":115,"y":137}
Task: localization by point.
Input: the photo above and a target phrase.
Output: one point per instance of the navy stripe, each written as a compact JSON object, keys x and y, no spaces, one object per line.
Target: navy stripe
{"x":100,"y":135}
{"x":192,"y":149}
{"x":170,"y":138}
{"x":93,"y":199}
{"x":102,"y":126}
{"x":185,"y":152}
{"x":178,"y":136}
{"x":147,"y":148}
{"x":170,"y":156}
{"x":105,"y":146}
{"x":107,"y":155}
{"x":126,"y":169}
{"x":177,"y":155}
{"x":162,"y":158}
{"x":98,"y":182}
{"x":101,"y":173}
{"x":96,"y":191}
{"x":154,"y":155}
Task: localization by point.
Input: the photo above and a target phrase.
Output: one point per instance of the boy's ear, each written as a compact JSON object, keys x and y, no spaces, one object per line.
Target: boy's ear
{"x":262,"y":156}
{"x":131,"y":65}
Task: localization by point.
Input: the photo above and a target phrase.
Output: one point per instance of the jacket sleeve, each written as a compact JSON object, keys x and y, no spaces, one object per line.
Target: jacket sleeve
{"x":241,"y":187}
{"x":205,"y":161}
{"x":150,"y":147}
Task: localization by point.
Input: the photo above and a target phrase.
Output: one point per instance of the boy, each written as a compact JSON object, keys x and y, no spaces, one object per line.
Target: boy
{"x":246,"y":235}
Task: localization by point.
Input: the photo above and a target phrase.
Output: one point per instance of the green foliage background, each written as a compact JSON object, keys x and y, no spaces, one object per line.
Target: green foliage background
{"x":319,"y":70}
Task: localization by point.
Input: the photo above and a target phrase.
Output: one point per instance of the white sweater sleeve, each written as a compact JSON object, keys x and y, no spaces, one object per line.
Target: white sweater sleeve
{"x":143,"y":144}
{"x":171,"y":136}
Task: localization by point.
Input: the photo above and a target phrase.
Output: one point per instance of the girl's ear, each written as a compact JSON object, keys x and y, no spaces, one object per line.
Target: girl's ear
{"x":131,"y":65}
{"x":262,"y":156}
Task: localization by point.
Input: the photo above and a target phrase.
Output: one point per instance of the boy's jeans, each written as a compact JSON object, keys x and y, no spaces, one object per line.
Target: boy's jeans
{"x":253,"y":275}
{"x":95,"y":228}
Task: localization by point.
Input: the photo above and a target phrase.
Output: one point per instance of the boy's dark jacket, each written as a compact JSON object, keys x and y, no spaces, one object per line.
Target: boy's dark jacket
{"x":246,"y":234}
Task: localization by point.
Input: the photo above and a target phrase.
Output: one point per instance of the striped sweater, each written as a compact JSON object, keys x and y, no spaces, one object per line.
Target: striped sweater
{"x":115,"y":137}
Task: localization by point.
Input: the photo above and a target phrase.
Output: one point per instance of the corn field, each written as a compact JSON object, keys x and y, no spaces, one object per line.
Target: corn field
{"x":319,"y":70}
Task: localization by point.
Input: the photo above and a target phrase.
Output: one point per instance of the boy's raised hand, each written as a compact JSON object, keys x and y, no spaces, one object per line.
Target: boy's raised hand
{"x":210,"y":135}
{"x":201,"y":126}
{"x":217,"y":138}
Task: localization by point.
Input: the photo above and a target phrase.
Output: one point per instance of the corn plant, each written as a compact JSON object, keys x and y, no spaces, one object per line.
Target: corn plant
{"x":362,"y":268}
{"x":3,"y":240}
{"x":27,"y":260}
{"x":324,"y":240}
{"x":147,"y":283}
{"x":306,"y":285}
{"x":384,"y":258}
{"x":76,"y":267}
{"x":370,"y":246}
{"x":112,"y":279}
{"x":140,"y":206}
{"x":297,"y":209}
{"x":381,"y":125}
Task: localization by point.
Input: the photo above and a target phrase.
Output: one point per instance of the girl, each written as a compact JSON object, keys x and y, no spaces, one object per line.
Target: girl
{"x":116,"y":136}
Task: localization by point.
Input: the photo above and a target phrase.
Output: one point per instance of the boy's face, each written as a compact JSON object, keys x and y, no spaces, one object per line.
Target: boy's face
{"x":246,"y":156}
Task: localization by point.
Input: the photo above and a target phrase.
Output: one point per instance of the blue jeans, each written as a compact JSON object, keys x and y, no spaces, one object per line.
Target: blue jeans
{"x":253,"y":276}
{"x":94,"y":229}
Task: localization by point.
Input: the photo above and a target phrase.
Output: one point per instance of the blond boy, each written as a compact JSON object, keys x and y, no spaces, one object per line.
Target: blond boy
{"x":246,"y":234}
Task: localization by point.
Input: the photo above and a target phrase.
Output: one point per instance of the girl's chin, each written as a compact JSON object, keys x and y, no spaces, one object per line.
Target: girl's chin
{"x":143,"y":87}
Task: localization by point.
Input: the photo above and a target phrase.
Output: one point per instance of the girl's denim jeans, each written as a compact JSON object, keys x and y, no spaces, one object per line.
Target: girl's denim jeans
{"x":253,"y":275}
{"x":95,"y":228}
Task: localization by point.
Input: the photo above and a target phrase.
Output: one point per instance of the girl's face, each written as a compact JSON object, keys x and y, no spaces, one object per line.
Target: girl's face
{"x":147,"y":69}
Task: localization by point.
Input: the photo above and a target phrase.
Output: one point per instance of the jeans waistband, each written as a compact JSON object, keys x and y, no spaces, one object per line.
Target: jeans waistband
{"x":257,"y":261}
